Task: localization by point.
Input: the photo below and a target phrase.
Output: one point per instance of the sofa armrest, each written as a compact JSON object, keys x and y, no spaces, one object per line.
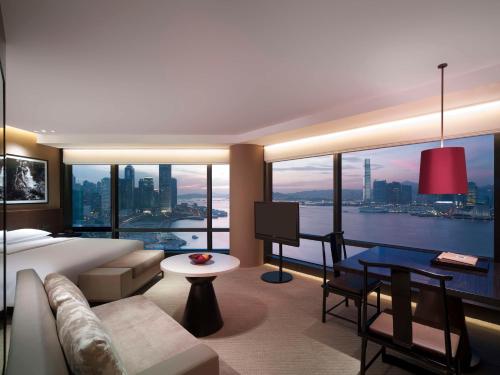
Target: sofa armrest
{"x":198,"y":360}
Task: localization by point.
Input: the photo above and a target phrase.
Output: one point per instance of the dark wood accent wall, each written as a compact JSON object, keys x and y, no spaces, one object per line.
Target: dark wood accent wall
{"x":47,"y":216}
{"x":20,"y":142}
{"x":49,"y":219}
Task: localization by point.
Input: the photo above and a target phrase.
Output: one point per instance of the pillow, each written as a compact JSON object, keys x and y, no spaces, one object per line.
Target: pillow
{"x":86,"y":345}
{"x":60,"y":289}
{"x":21,"y":235}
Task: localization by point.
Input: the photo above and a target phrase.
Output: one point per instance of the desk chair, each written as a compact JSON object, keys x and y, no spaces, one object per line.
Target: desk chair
{"x":397,"y":329}
{"x":347,"y":285}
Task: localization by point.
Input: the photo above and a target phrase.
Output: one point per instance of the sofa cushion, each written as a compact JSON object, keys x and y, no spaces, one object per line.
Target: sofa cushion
{"x":143,"y":334}
{"x":139,"y":261}
{"x":87,"y":347}
{"x":60,"y":289}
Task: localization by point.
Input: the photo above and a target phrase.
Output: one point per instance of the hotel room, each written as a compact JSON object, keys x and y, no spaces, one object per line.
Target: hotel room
{"x":250,"y":187}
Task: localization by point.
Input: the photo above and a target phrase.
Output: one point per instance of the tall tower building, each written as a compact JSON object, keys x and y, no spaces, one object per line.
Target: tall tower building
{"x":146,"y":192}
{"x":165,"y":187}
{"x":367,"y":182}
{"x":380,"y":191}
{"x":472,"y":194}
{"x":106,"y":198}
{"x":173,"y":191}
{"x":128,"y":190}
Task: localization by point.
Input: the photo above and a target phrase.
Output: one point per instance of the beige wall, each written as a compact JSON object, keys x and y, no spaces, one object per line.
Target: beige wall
{"x":246,"y":187}
{"x":23,"y":143}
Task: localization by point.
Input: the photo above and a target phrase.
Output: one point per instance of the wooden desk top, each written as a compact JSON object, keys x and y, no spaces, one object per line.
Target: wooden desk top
{"x":475,"y":286}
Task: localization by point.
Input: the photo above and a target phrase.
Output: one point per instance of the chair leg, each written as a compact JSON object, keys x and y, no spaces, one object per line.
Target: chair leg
{"x":364,"y":343}
{"x":359,"y":305}
{"x":323,"y":313}
{"x":347,"y":302}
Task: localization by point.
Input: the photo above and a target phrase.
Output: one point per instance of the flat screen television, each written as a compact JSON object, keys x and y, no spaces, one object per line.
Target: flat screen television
{"x":277,"y":222}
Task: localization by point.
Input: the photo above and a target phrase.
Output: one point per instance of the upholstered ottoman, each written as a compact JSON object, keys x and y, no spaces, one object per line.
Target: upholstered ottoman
{"x":121,"y":277}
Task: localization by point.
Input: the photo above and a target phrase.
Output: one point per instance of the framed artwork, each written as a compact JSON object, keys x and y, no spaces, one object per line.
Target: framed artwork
{"x":26,"y":180}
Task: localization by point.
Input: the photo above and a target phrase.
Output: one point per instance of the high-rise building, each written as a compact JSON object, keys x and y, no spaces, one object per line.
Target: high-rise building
{"x":394,"y":193}
{"x":128,"y":189}
{"x":165,"y":187}
{"x":146,"y":193}
{"x":367,"y":182}
{"x":77,"y":203}
{"x":173,"y":190}
{"x":406,"y":194}
{"x":105,"y":198}
{"x":471,"y":194}
{"x":380,"y":191}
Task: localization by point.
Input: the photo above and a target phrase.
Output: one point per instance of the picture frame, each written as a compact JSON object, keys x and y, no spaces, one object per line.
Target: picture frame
{"x":26,"y":180}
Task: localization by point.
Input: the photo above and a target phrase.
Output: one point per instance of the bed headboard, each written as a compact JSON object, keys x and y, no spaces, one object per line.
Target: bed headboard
{"x":49,"y":219}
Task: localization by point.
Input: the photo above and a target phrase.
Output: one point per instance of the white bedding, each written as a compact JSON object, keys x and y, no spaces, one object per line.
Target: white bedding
{"x":68,"y":256}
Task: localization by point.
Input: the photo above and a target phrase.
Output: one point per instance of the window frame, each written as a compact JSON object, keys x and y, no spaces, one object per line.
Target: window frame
{"x":337,"y":212}
{"x":67,"y":191}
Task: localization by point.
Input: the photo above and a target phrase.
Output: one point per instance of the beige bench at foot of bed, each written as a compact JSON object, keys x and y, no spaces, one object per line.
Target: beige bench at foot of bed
{"x":121,"y":277}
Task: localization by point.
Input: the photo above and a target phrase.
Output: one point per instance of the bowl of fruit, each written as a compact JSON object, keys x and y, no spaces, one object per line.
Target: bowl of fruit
{"x":200,"y":258}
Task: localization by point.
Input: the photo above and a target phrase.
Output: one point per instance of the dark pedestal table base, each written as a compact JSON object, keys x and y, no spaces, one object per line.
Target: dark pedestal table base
{"x":202,"y":315}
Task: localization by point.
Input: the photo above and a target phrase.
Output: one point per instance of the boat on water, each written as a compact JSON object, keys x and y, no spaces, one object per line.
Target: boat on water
{"x":194,"y":237}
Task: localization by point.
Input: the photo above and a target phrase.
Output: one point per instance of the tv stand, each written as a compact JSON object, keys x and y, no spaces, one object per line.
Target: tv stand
{"x":277,"y":277}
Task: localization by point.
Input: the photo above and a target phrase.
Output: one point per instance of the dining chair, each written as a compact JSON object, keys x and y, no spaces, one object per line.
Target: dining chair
{"x":432,"y":345}
{"x":347,"y":285}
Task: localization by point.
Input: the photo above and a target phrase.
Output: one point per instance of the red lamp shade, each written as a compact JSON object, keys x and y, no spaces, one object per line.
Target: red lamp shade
{"x":443,"y":171}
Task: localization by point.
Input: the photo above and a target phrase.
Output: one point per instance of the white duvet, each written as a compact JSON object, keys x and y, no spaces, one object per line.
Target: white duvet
{"x":68,"y":256}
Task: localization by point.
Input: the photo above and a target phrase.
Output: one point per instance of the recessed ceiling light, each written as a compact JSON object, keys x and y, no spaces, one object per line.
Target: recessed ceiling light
{"x":44,"y":131}
{"x":52,"y":131}
{"x":35,"y":131}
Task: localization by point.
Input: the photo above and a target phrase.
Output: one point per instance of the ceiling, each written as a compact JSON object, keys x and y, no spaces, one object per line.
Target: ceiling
{"x":217,"y":72}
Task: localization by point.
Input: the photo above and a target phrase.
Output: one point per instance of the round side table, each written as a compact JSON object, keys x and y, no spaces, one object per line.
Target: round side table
{"x":202,"y":315}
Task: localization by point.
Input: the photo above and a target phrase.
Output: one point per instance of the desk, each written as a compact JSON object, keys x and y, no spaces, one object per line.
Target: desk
{"x":483,"y":287}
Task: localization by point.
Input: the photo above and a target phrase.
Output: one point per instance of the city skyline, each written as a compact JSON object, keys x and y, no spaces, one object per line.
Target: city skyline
{"x":191,"y":179}
{"x":393,"y":164}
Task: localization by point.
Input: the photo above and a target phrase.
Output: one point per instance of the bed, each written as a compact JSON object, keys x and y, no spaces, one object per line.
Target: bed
{"x":68,"y":256}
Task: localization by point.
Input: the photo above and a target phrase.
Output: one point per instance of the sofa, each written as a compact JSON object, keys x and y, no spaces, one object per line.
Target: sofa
{"x":148,"y":340}
{"x":122,"y":276}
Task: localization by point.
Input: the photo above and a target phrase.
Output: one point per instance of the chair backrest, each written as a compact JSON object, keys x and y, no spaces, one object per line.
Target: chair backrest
{"x":337,"y":247}
{"x":401,"y":290}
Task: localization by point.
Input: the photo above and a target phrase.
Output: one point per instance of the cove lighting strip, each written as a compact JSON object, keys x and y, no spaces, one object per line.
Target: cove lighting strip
{"x":470,"y":120}
{"x":146,"y":156}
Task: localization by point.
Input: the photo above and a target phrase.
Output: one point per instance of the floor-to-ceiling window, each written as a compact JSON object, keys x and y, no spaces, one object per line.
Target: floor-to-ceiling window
{"x":308,"y":181}
{"x":381,"y":204}
{"x":220,"y":206}
{"x":164,"y":205}
{"x":91,"y":196}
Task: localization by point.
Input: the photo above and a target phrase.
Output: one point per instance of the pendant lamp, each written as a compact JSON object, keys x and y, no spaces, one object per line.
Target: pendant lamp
{"x":443,"y":170}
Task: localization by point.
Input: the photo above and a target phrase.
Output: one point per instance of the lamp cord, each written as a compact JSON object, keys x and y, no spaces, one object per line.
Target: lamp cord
{"x":442,"y":66}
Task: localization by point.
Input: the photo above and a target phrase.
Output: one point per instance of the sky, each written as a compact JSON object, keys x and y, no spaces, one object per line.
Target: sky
{"x":400,"y":163}
{"x":191,"y":179}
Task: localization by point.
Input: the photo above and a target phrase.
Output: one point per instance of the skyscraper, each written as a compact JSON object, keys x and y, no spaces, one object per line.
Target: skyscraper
{"x":165,"y":187}
{"x":380,"y":191}
{"x":146,"y":192}
{"x":472,"y":194}
{"x":394,"y":192}
{"x":173,"y":191}
{"x":406,"y":194}
{"x":367,"y":182}
{"x":128,"y":189}
{"x":106,"y":199}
